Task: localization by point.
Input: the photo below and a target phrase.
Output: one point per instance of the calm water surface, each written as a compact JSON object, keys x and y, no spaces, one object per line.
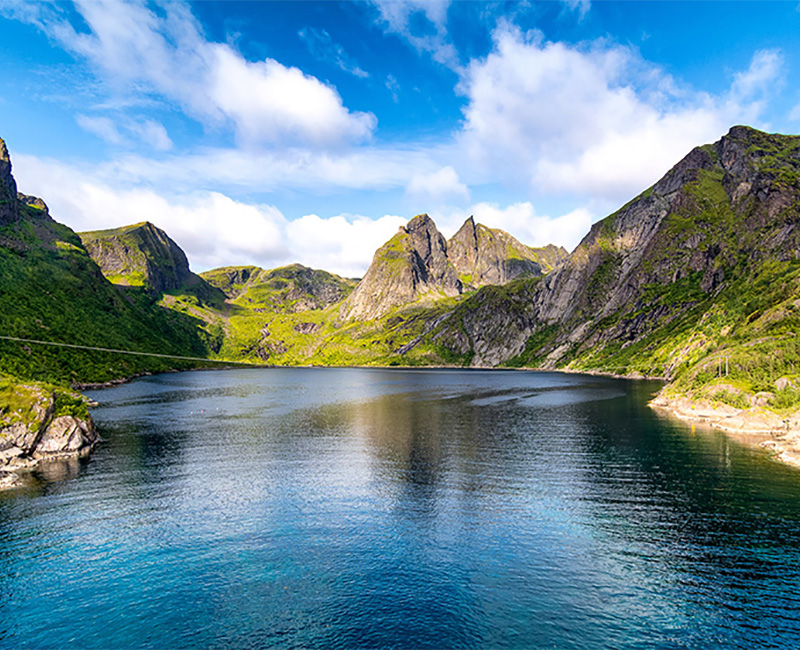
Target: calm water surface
{"x":350,"y":508}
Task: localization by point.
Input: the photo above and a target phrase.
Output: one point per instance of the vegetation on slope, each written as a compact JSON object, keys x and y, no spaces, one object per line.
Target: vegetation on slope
{"x":51,"y":290}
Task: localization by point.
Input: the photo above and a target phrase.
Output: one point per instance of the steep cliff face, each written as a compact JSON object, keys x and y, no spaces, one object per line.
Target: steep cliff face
{"x":9,"y":210}
{"x":412,"y":264}
{"x":484,"y":256}
{"x":138,"y":255}
{"x":665,"y":278}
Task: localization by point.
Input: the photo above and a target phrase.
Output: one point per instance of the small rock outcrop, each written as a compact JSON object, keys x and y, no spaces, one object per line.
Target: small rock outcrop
{"x":9,"y":208}
{"x":40,"y":423}
{"x":139,"y":255}
{"x":34,"y":202}
{"x":410,"y":265}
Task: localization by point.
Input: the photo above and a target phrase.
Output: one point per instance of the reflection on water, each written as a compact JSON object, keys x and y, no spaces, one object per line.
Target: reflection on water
{"x":373,"y":508}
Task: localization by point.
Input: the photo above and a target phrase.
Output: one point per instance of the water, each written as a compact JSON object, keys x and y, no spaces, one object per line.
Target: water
{"x":349,"y":508}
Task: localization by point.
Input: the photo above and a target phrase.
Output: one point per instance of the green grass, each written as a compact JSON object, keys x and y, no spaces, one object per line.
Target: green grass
{"x":51,"y":290}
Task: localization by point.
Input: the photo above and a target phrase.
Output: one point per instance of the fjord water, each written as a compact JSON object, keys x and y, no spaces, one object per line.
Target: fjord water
{"x":349,"y":508}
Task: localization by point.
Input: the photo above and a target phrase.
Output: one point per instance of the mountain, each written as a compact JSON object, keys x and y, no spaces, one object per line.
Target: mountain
{"x":292,"y":288}
{"x":700,"y":269}
{"x":419,"y":264}
{"x":52,"y":290}
{"x":410,"y":265}
{"x":699,"y":272}
{"x":138,"y":255}
{"x":9,"y":210}
{"x":484,"y":256}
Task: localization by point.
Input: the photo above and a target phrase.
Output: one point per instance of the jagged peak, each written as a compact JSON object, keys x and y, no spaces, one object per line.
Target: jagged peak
{"x":420,"y":222}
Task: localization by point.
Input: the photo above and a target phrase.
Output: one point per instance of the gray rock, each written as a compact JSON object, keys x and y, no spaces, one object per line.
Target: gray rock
{"x":9,"y":208}
{"x":412,"y":264}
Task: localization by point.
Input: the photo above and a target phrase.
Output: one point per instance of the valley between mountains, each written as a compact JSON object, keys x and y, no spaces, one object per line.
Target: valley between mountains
{"x":696,"y":281}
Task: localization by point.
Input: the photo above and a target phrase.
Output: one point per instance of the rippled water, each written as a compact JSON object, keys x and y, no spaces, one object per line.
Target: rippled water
{"x":347,"y":508}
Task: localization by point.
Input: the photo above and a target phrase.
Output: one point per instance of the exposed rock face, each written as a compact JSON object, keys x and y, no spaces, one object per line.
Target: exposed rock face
{"x":9,"y":210}
{"x":34,"y":202}
{"x":138,"y":255}
{"x":484,"y":256}
{"x":32,"y":429}
{"x":410,"y":265}
{"x":722,"y":208}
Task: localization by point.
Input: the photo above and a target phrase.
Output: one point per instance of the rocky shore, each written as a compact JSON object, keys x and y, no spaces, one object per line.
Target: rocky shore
{"x":780,"y":435}
{"x":37,"y":424}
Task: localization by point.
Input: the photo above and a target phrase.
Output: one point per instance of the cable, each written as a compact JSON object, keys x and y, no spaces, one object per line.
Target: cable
{"x":144,"y":354}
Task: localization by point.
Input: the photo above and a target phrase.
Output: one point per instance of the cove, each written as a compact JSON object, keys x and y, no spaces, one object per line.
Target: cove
{"x":370,"y":508}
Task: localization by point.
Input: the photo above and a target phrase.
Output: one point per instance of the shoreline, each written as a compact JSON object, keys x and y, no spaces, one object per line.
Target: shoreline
{"x":780,"y":436}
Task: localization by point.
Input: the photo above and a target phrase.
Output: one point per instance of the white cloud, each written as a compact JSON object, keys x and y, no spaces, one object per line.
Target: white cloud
{"x":443,"y":187}
{"x":323,"y":47}
{"x":581,"y":6}
{"x":423,"y":23}
{"x":593,"y":120}
{"x":103,"y":127}
{"x":153,"y":133}
{"x":521,"y":221}
{"x":341,"y":244}
{"x":167,"y":55}
{"x":364,"y":168}
{"x":273,"y":103}
{"x":149,"y":131}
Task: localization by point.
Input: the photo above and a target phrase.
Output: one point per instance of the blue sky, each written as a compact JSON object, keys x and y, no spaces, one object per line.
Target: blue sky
{"x":274,"y":132}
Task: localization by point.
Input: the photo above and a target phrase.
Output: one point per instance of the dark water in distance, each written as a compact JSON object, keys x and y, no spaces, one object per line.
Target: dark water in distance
{"x":352,"y":508}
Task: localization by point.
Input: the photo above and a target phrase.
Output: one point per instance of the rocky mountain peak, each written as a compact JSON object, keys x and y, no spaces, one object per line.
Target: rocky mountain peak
{"x":139,"y":255}
{"x":412,"y":264}
{"x":9,"y":209}
{"x":483,"y":255}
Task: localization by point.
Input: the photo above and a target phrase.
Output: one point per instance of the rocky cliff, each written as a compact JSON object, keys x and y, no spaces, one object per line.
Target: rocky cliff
{"x":662,"y":281}
{"x":412,"y":264}
{"x":139,"y":255}
{"x":39,"y":422}
{"x":9,"y":211}
{"x":483,"y":255}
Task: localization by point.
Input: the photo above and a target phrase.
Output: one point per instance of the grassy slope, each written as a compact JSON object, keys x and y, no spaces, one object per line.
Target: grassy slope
{"x":264,"y":320}
{"x":51,"y":290}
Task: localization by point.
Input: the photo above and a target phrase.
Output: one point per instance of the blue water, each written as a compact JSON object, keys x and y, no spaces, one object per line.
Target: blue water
{"x":351,"y":508}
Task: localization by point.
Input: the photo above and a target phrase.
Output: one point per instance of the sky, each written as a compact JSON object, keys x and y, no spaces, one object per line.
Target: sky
{"x":269,"y":133}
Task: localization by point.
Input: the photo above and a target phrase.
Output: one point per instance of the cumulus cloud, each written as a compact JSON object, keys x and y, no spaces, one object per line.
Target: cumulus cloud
{"x":343,"y":244}
{"x":596,"y":119}
{"x":166,"y":54}
{"x":443,"y":187}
